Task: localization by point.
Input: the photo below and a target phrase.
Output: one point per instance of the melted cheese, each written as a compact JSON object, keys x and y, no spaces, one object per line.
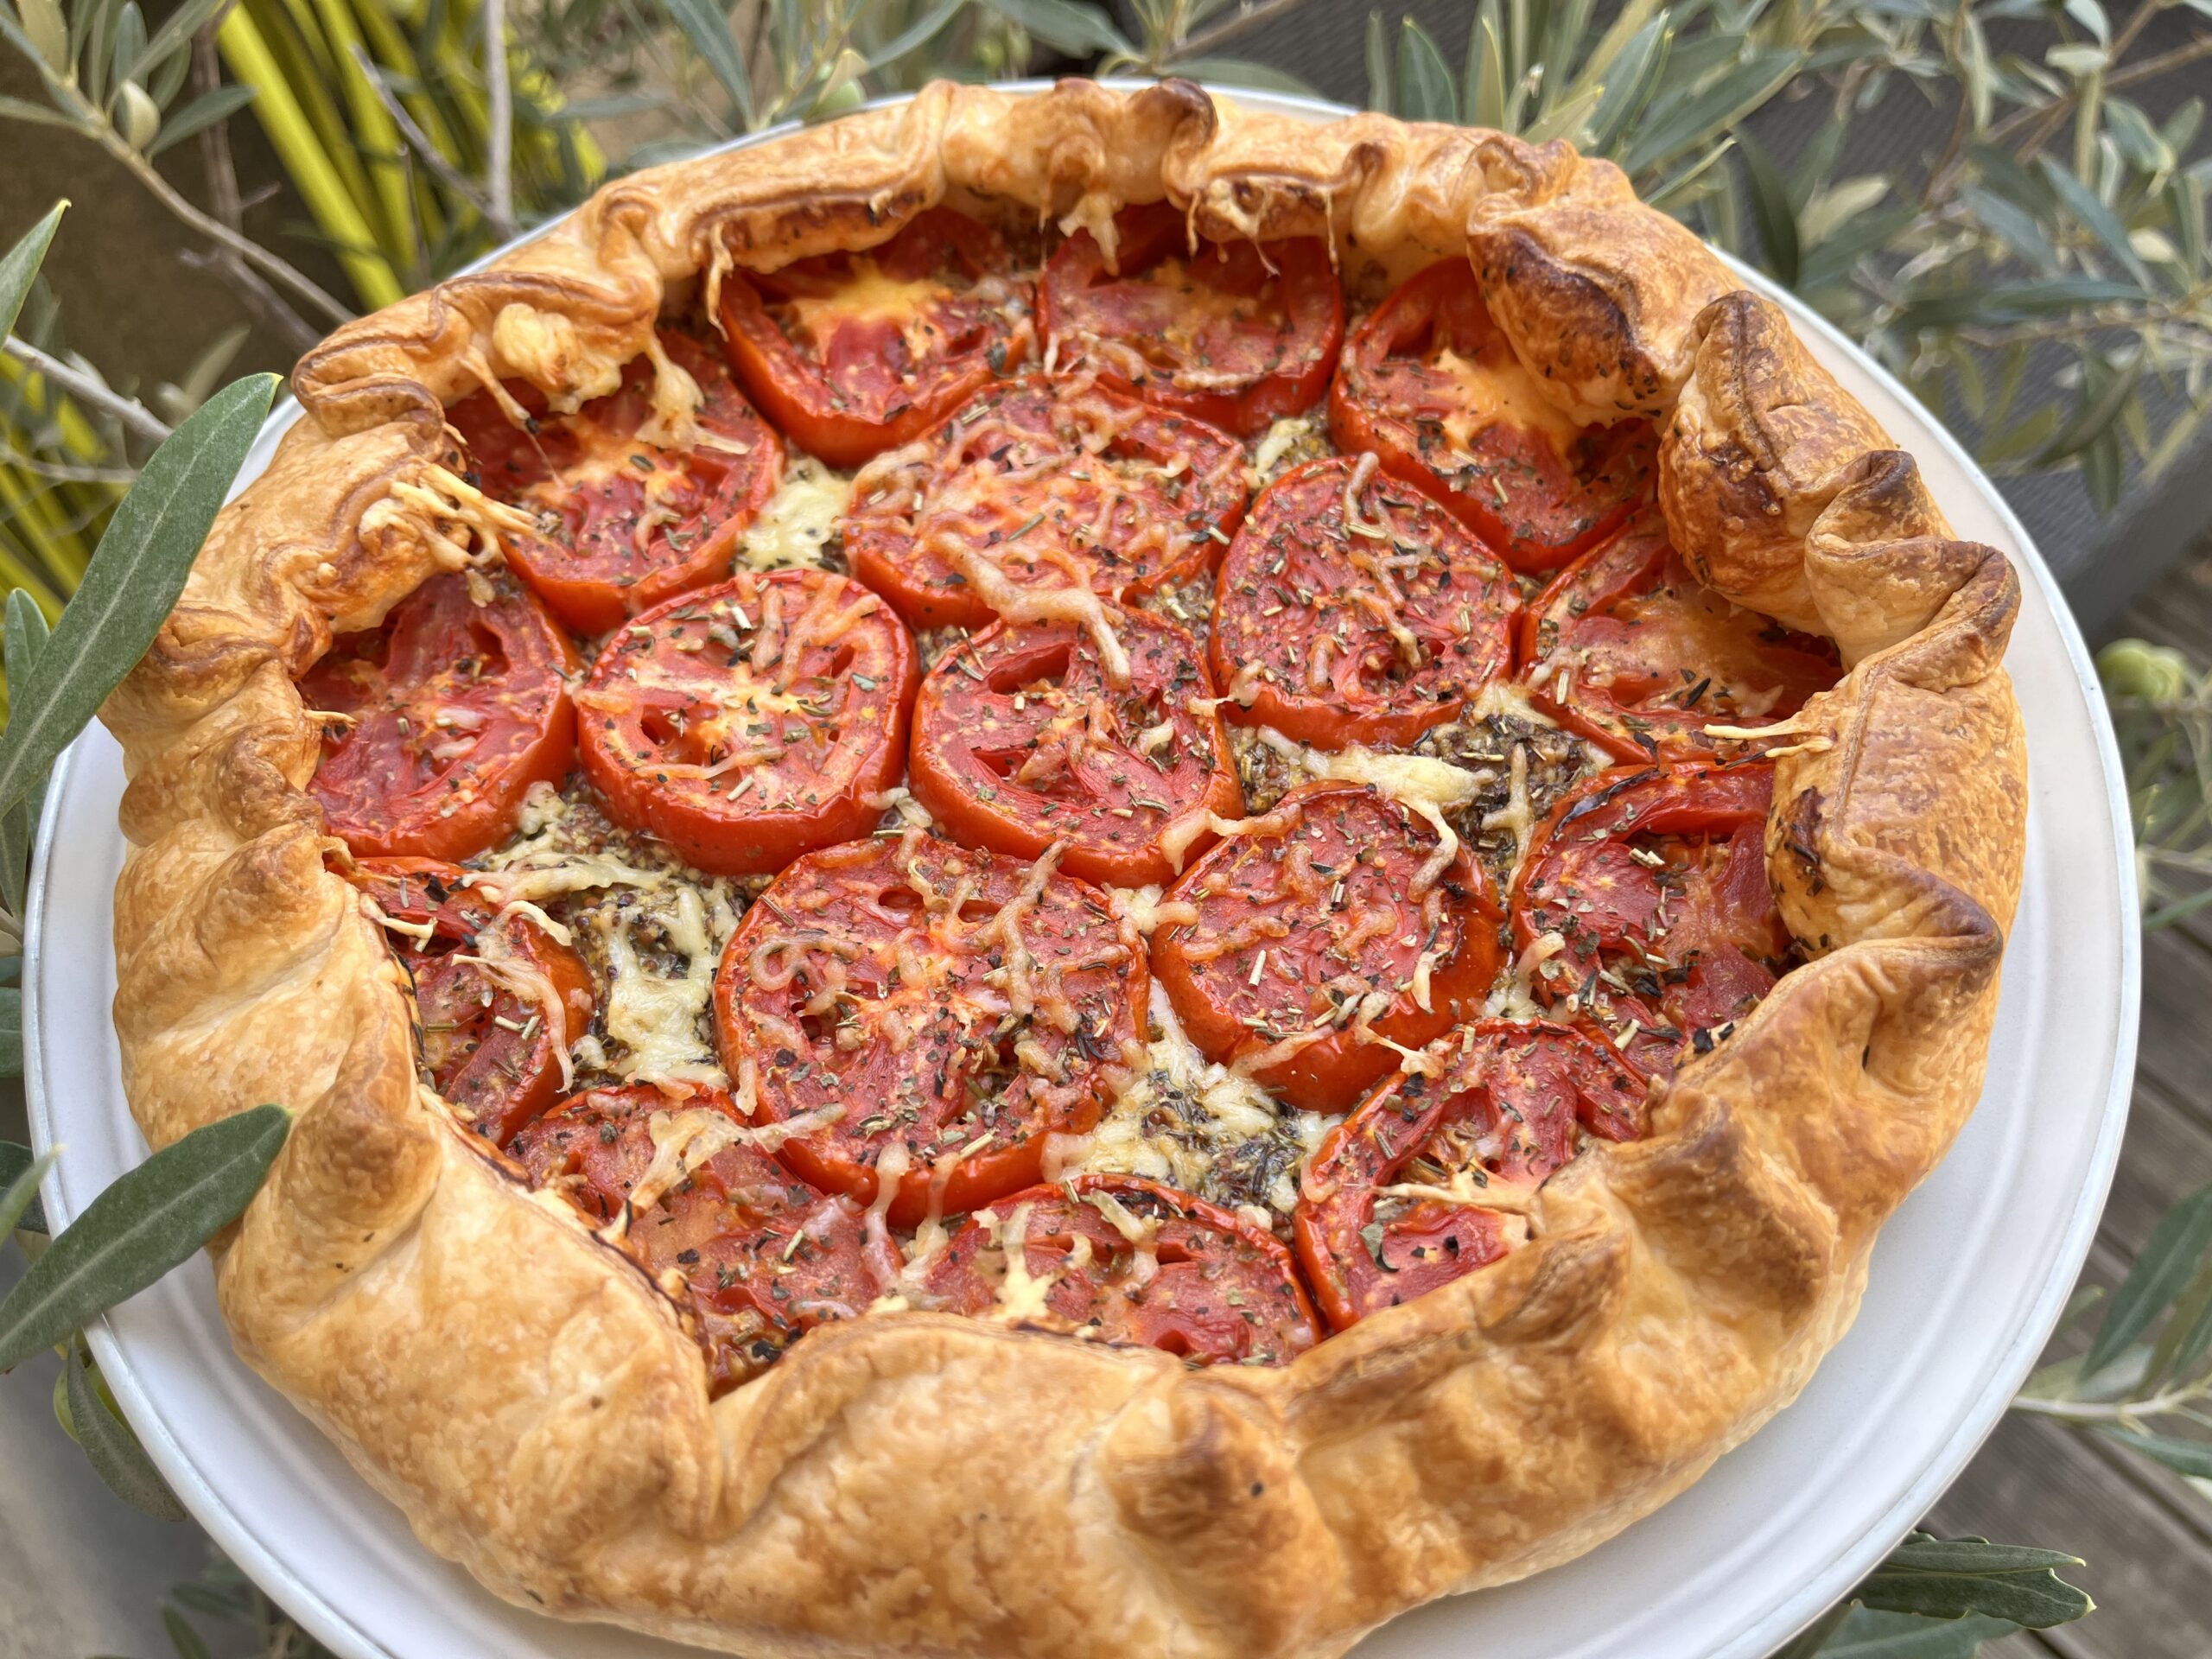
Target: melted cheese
{"x":867,"y":296}
{"x":1289,"y":442}
{"x":799,"y":519}
{"x":1504,"y":395}
{"x":654,"y":1020}
{"x":1420,"y":783}
{"x":1233,"y":1109}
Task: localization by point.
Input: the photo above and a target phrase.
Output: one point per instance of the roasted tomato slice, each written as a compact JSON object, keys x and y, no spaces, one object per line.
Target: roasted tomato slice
{"x":747,"y":723}
{"x":1361,"y":615}
{"x":851,"y":353}
{"x":1043,"y":484}
{"x":767,"y":1256}
{"x":1337,"y":920}
{"x":1653,"y":883}
{"x":1423,"y":1183}
{"x":932,"y":1014}
{"x":1021,"y":740}
{"x":1116,"y":1258}
{"x":442,"y":718}
{"x":626,"y":522}
{"x":498,"y":1000}
{"x":1630,"y":650}
{"x":1429,"y":384}
{"x":1237,"y":333}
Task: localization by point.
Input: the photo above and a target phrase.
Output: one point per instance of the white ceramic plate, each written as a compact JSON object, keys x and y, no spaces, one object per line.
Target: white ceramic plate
{"x":1967,"y":1279}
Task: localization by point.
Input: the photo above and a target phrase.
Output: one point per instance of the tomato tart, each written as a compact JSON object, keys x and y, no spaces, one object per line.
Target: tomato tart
{"x":1067,"y":872}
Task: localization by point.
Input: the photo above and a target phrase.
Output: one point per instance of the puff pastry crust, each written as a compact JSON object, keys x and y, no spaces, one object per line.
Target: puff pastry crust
{"x":918,"y":1483}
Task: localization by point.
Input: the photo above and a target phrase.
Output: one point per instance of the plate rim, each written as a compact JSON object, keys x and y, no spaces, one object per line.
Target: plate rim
{"x":1785,"y":1618}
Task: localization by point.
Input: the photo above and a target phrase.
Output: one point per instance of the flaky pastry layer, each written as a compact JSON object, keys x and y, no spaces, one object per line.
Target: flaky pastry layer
{"x":916,"y":1483}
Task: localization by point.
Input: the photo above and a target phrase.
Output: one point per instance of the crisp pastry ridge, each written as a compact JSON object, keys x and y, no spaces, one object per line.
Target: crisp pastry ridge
{"x":922,"y":1483}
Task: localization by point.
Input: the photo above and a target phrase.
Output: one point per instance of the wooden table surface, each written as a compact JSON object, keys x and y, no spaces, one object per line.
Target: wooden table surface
{"x":80,"y":1574}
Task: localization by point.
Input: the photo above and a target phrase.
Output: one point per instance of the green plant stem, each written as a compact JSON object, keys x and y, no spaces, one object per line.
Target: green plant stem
{"x":2118,"y":1411}
{"x":428,"y":153}
{"x":59,"y":474}
{"x":95,"y":125}
{"x":1203,"y":43}
{"x":85,"y":390}
{"x":2053,"y":116}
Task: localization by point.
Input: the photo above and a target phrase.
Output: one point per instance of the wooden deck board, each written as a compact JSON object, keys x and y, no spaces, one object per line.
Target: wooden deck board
{"x":2146,"y":1535}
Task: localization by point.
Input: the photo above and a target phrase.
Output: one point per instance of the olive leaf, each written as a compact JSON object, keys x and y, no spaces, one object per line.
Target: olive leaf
{"x":2170,"y":1258}
{"x":132,"y":582}
{"x":1425,"y":92}
{"x":1064,"y":26}
{"x":1948,"y":1579}
{"x":1778,"y":222}
{"x":20,"y":1175}
{"x":187,"y":1642}
{"x":22,"y":637}
{"x":707,"y":27}
{"x":19,"y":266}
{"x":2182,"y":1456}
{"x":149,"y":1220}
{"x":110,"y":1445}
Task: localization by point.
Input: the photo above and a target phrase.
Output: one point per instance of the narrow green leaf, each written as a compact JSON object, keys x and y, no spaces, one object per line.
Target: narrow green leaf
{"x":132,"y":582}
{"x":2091,"y":17}
{"x":924,"y":30}
{"x":1564,"y":119}
{"x":150,"y":1219}
{"x":110,"y":1446}
{"x":2182,"y":1456}
{"x":201,"y":113}
{"x":2014,"y":225}
{"x":2177,"y":1349}
{"x":2169,"y":1261}
{"x":1702,"y":117}
{"x":2185,"y":198}
{"x":19,"y":265}
{"x":1950,"y":1578}
{"x":1379,"y":90}
{"x":129,"y":42}
{"x":11,"y":1031}
{"x":2033,"y":431}
{"x":709,"y":31}
{"x":1424,"y":84}
{"x":1869,"y":1634}
{"x":2010,"y":301}
{"x":1239,"y":71}
{"x":1489,"y":107}
{"x":2096,"y":218}
{"x":1980,"y":79}
{"x":22,"y":637}
{"x":1771,"y":208}
{"x":20,"y":1175}
{"x":18,"y":109}
{"x":1633,"y":19}
{"x":1629,"y":83}
{"x":173,"y":35}
{"x":1563,"y":31}
{"x":1066,"y":27}
{"x":2102,"y":467}
{"x":187,"y":1642}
